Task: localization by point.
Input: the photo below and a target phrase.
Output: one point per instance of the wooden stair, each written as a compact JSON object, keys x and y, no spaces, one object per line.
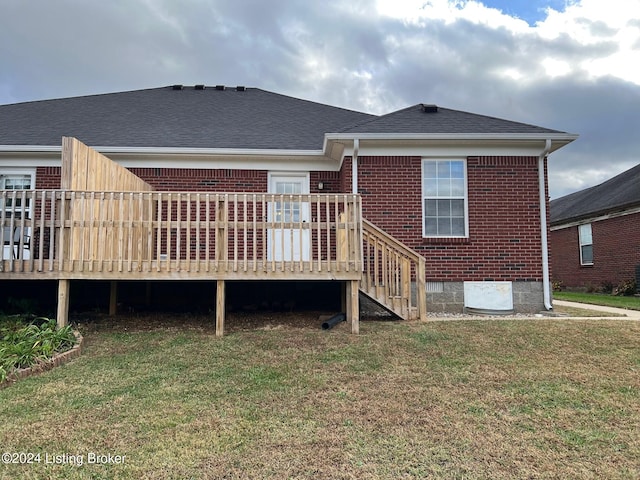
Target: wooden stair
{"x":389,"y":272}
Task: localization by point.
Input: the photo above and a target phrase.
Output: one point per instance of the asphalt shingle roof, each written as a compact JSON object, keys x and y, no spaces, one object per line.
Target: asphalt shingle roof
{"x":618,"y":193}
{"x":232,"y":118}
{"x":414,"y":120}
{"x":164,"y":117}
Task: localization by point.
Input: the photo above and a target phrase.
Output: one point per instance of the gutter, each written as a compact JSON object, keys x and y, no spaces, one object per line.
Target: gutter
{"x":546,"y":283}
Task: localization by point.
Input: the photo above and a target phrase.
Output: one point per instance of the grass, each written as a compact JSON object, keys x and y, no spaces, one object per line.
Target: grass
{"x":628,"y":302}
{"x":582,"y":312}
{"x":459,"y":399}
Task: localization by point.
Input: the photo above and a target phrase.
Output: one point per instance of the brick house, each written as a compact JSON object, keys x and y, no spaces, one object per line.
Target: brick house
{"x":595,"y":233}
{"x":460,"y":195}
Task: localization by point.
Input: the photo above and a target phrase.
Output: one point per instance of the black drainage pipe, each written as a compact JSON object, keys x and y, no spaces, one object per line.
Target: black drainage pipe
{"x":333,"y":321}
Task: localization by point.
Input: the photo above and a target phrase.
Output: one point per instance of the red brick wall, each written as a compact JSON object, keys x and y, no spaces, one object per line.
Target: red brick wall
{"x":198,"y":180}
{"x":504,"y":216}
{"x":504,"y":237}
{"x":223,"y":180}
{"x":331,"y":182}
{"x":616,"y":253}
{"x":48,"y":178}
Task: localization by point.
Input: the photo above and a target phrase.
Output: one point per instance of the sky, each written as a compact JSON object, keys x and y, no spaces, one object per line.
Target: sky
{"x":570,"y":65}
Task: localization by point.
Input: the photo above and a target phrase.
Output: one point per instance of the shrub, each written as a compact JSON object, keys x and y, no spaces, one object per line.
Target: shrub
{"x":24,"y":344}
{"x":557,"y":285}
{"x":626,"y":288}
{"x":607,"y":286}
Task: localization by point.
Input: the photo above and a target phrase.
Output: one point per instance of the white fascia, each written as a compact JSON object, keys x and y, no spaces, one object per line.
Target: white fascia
{"x":439,"y":143}
{"x":172,"y":157}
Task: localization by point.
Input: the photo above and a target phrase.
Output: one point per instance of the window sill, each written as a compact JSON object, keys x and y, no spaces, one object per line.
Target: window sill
{"x":445,"y":240}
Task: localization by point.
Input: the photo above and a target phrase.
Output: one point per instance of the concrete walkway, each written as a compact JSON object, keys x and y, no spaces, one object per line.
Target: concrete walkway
{"x":630,"y":314}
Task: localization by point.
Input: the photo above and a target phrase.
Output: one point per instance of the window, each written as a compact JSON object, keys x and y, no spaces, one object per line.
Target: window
{"x":13,"y":207}
{"x":444,"y":199}
{"x":12,"y":182}
{"x":586,"y":244}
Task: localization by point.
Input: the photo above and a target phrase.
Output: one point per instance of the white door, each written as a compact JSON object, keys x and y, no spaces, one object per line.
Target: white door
{"x":291,"y":240}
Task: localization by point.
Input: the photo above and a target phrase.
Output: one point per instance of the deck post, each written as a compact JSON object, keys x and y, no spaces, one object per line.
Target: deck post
{"x":220,"y":304}
{"x":353,"y":305}
{"x":113,"y":298}
{"x":63,"y":303}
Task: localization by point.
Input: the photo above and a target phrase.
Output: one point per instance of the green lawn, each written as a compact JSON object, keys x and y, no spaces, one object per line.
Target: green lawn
{"x":631,"y":303}
{"x":498,"y":399}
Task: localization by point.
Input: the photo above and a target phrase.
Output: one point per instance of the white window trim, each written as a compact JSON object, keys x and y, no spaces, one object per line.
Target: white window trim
{"x":581,"y":244}
{"x":306,"y":176}
{"x":10,"y":172}
{"x":17,"y":172}
{"x":466,"y":196}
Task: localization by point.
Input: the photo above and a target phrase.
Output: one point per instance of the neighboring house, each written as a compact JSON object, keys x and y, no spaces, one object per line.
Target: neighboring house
{"x":595,"y":233}
{"x":425,"y":199}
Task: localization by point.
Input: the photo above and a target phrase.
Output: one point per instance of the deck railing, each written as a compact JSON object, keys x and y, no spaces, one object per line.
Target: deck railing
{"x":393,"y":274}
{"x":77,"y":234}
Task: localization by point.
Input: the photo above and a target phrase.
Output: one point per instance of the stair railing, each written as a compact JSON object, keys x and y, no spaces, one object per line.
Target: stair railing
{"x":393,"y":274}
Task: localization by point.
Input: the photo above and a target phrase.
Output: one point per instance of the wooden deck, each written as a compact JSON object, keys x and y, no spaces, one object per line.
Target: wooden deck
{"x":107,"y":224}
{"x":180,"y":235}
{"x":66,"y":235}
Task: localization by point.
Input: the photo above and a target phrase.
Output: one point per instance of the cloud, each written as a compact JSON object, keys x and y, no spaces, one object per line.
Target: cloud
{"x":573,"y":69}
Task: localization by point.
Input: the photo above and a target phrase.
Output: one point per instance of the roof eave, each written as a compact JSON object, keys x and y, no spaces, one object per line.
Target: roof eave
{"x":558,"y":139}
{"x":589,"y":217}
{"x":167,"y":151}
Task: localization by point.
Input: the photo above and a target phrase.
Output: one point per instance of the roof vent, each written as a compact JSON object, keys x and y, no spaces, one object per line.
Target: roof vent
{"x":177,"y":87}
{"x":240,"y":88}
{"x":220,"y":87}
{"x":199,"y":87}
{"x":426,"y":108}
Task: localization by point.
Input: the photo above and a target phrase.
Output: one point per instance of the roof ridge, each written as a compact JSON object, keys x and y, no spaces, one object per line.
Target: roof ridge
{"x":89,"y":95}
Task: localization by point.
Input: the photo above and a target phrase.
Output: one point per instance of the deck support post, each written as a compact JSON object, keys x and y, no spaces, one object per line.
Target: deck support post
{"x":113,"y":298}
{"x":63,"y":303}
{"x":220,"y":304}
{"x":353,"y":305}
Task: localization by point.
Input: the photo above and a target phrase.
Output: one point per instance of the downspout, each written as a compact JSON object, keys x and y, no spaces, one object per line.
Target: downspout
{"x":546,"y":284}
{"x":354,"y":166}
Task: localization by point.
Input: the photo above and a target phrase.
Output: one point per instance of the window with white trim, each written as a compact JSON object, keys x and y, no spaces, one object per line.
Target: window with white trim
{"x":15,"y":182}
{"x":444,"y":198}
{"x":586,"y":244}
{"x":14,"y":205}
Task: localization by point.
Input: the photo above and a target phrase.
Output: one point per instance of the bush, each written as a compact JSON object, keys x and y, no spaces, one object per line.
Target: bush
{"x":607,"y":286}
{"x":25,"y":344}
{"x":557,"y":286}
{"x":626,"y":288}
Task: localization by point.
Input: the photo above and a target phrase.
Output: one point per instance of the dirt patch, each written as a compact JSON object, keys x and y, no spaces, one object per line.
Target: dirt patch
{"x":234,"y":322}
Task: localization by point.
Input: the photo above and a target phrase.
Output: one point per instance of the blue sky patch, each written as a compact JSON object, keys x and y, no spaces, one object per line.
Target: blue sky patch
{"x":531,"y":11}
